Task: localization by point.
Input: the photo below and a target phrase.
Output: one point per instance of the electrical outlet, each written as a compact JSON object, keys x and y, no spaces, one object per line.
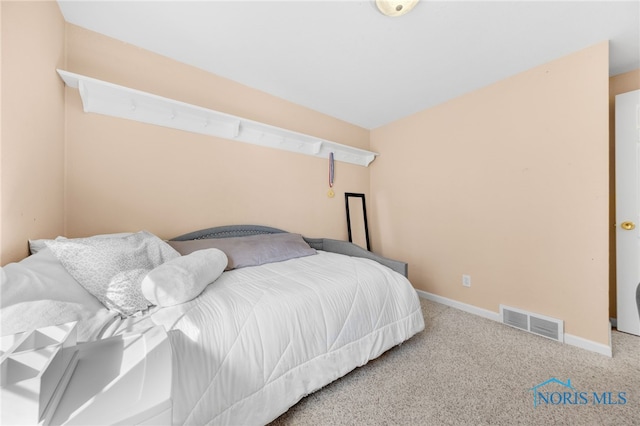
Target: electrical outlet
{"x":466,"y":280}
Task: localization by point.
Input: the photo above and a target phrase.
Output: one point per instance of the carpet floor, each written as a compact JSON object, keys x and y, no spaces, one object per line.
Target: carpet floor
{"x":467,"y":370}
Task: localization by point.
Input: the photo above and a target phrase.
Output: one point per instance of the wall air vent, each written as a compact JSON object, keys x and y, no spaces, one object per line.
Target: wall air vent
{"x":515,"y":319}
{"x":541,"y":325}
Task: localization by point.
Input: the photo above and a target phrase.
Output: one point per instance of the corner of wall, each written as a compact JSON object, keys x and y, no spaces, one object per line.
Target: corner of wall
{"x":31,"y":197}
{"x":2,"y":262}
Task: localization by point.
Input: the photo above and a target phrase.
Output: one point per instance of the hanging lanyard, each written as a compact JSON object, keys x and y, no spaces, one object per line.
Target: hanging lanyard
{"x":330,"y":192}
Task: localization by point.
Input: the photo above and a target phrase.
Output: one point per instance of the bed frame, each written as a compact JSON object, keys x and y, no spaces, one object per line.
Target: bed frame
{"x":325,"y":244}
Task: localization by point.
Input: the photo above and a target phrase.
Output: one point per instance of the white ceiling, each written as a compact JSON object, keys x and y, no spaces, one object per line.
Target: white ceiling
{"x":347,"y":60}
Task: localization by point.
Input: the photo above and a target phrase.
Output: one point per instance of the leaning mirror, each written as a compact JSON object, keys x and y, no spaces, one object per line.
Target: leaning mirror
{"x":357,"y":226}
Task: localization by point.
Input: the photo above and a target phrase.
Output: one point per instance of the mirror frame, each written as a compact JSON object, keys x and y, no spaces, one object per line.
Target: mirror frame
{"x":347,"y":196}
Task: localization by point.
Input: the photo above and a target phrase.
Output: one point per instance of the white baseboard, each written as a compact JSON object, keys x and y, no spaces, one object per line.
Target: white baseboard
{"x":495,"y":316}
{"x":588,"y":344}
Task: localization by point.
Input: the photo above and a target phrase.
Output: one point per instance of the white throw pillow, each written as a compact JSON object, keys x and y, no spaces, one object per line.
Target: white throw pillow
{"x":38,"y":292}
{"x":184,"y":278}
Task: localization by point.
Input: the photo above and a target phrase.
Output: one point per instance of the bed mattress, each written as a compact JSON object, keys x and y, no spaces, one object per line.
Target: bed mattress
{"x":260,"y":338}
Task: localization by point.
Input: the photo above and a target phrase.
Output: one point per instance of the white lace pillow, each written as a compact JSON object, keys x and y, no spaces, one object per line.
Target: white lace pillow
{"x":40,"y":244}
{"x":112,"y":269}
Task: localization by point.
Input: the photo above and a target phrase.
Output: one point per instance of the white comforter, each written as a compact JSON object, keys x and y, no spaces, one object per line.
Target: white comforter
{"x":259,"y":339}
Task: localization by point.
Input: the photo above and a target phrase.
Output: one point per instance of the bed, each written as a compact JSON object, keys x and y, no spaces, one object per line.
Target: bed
{"x":284,"y":315}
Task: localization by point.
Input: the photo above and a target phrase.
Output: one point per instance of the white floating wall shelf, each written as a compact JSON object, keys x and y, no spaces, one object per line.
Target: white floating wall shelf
{"x":118,"y":101}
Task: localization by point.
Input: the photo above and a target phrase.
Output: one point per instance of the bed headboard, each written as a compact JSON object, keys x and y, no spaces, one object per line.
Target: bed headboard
{"x":228,"y":232}
{"x":326,"y":244}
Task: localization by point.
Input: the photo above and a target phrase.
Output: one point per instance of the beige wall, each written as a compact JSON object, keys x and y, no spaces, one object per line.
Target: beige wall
{"x":508,"y":184}
{"x":618,"y":84}
{"x":32,"y":134}
{"x":124,"y":176}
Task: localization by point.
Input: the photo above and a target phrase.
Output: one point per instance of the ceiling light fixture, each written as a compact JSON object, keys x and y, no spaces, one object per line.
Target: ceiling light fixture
{"x":395,"y":8}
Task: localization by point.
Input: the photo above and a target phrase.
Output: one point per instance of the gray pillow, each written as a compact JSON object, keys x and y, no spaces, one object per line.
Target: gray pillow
{"x":112,"y":269}
{"x":252,"y":250}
